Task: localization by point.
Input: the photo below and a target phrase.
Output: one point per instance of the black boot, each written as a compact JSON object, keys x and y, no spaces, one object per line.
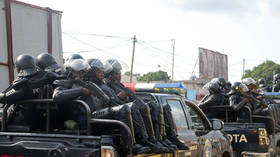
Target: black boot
{"x":170,"y":144}
{"x":139,"y":149}
{"x":156,"y":147}
{"x":178,"y":143}
{"x":169,"y":149}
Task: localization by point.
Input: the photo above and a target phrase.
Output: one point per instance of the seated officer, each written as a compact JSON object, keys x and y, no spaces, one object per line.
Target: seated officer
{"x":46,"y":61}
{"x":262,"y":86}
{"x":68,"y":90}
{"x":276,"y":83}
{"x":96,"y":76}
{"x":214,"y":98}
{"x":224,"y":88}
{"x":26,"y":86}
{"x":261,"y":108}
{"x":113,"y":78}
{"x":239,"y":102}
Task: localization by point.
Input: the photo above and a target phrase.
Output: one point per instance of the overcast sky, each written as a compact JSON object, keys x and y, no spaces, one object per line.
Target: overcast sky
{"x":239,"y":28}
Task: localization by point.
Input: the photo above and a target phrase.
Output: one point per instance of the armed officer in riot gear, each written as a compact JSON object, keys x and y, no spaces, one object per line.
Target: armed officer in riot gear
{"x":70,"y":89}
{"x":260,"y":107}
{"x":224,"y":88}
{"x":155,"y":132}
{"x":240,"y":103}
{"x":27,"y":85}
{"x":276,"y":83}
{"x":47,"y":62}
{"x":221,"y":82}
{"x":96,"y":76}
{"x":262,"y":86}
{"x":215,"y":97}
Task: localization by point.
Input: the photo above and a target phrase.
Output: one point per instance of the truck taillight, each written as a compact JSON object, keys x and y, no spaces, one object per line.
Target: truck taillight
{"x":263,"y":138}
{"x":107,"y":151}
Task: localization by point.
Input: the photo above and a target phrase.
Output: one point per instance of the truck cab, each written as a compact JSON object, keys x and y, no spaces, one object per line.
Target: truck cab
{"x":203,"y":137}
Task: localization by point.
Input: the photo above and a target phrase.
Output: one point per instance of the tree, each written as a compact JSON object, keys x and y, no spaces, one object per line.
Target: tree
{"x":155,"y":76}
{"x":264,"y":70}
{"x":137,"y":75}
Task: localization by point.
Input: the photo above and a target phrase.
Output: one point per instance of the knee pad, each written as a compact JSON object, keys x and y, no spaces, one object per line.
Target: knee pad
{"x":125,"y":109}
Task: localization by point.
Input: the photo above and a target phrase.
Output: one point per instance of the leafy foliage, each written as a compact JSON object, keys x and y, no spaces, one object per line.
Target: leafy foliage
{"x":264,"y":70}
{"x":155,"y":76}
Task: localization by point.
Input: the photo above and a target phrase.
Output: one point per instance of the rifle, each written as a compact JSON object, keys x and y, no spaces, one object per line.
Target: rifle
{"x":95,"y":90}
{"x":116,"y":84}
{"x":251,"y":98}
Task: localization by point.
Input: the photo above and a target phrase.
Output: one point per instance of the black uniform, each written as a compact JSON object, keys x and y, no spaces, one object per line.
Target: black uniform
{"x":27,"y":87}
{"x":276,"y":87}
{"x":212,"y":99}
{"x":155,"y":124}
{"x":242,"y":107}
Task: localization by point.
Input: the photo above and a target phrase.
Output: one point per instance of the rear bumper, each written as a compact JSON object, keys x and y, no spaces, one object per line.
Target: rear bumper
{"x":254,"y":154}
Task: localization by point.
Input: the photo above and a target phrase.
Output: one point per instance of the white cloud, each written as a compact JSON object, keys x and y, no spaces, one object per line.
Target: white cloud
{"x":239,"y":28}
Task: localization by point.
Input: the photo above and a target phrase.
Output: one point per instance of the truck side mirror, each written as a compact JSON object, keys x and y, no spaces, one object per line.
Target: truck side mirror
{"x":217,"y":124}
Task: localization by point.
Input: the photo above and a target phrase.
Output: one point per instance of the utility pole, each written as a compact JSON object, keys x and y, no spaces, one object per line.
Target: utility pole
{"x":194,"y":66}
{"x":173,"y":46}
{"x":243,"y":67}
{"x":273,"y":81}
{"x":134,"y":40}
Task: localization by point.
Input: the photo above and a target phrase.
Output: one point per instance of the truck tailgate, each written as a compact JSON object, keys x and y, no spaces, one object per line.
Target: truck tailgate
{"x":34,"y":145}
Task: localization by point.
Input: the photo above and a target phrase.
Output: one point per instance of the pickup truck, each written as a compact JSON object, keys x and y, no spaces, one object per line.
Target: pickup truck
{"x":203,"y":137}
{"x":253,"y":138}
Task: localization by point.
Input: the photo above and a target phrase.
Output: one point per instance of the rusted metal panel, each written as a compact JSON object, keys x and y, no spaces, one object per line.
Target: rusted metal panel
{"x":9,"y":40}
{"x":35,"y":6}
{"x":49,"y":30}
{"x":2,"y":63}
{"x":212,"y":64}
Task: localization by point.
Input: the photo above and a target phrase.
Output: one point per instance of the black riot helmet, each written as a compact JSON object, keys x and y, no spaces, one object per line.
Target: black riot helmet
{"x":238,"y":87}
{"x":73,"y":56}
{"x":213,"y":87}
{"x":25,"y":65}
{"x":261,"y":81}
{"x":276,"y":77}
{"x":220,"y":81}
{"x":46,"y":61}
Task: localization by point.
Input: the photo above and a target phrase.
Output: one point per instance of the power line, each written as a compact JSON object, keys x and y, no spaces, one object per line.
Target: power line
{"x":236,"y":63}
{"x":98,"y":35}
{"x":106,"y":48}
{"x":93,"y":46}
{"x":165,"y":50}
